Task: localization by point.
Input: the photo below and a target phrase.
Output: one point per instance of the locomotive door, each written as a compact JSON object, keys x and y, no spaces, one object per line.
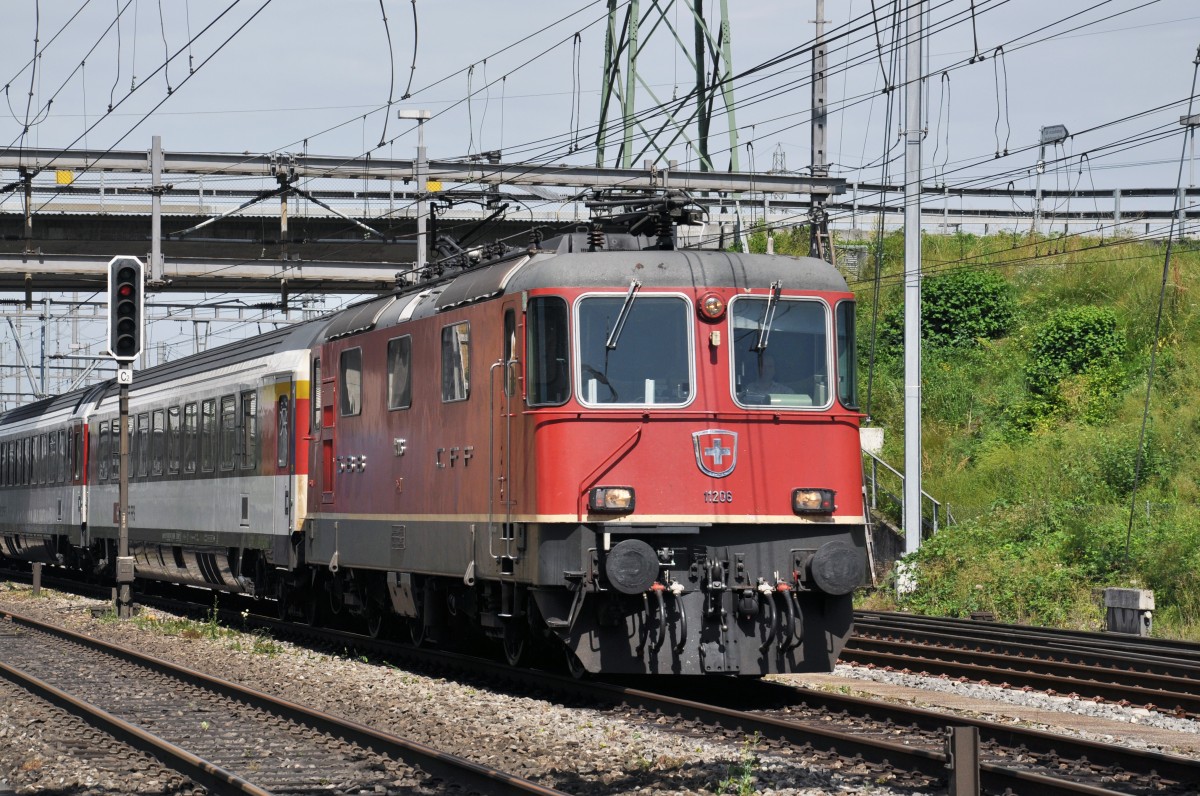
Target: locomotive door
{"x":505,"y":394}
{"x":321,"y":459}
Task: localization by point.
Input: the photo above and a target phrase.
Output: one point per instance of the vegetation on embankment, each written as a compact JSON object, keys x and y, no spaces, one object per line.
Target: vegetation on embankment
{"x":1035,"y":359}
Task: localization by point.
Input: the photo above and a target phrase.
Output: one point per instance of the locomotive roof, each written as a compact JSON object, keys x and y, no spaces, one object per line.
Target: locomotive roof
{"x":568,"y":264}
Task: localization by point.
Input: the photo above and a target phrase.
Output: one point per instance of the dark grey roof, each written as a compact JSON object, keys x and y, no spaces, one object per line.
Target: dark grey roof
{"x":677,"y":268}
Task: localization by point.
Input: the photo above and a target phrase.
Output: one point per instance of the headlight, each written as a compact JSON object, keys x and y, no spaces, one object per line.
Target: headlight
{"x":711,"y":306}
{"x":812,"y":501}
{"x":611,"y":499}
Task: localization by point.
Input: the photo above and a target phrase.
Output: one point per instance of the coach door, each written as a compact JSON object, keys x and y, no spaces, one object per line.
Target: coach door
{"x":505,"y":393}
{"x":279,"y":460}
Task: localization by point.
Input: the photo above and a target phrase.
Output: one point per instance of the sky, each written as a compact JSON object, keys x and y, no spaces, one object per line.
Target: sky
{"x":291,"y":74}
{"x":266,"y":76}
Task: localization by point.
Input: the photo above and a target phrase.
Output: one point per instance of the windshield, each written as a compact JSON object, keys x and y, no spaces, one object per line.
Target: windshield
{"x":651,"y":362}
{"x":793,"y":368}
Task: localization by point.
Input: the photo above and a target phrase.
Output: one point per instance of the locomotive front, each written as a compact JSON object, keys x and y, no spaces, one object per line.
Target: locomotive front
{"x":693,"y":459}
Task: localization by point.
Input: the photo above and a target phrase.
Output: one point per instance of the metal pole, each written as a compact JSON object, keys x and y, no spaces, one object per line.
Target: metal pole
{"x":818,"y":219}
{"x":124,"y":562}
{"x":630,"y":86}
{"x":42,"y":360}
{"x":422,"y":165}
{"x":157,"y":269}
{"x":912,"y":281}
{"x":1037,"y":203}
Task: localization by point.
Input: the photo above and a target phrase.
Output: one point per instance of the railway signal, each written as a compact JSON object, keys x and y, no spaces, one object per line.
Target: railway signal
{"x":126,"y":310}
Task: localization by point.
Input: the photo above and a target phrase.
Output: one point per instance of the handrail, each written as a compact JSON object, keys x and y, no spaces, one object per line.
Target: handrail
{"x":939,"y":513}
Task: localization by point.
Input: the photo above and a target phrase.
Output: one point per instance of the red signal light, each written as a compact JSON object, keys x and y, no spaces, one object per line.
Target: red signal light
{"x":125,"y":291}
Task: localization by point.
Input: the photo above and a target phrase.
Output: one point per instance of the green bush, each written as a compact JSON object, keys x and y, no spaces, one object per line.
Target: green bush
{"x":1078,"y":340}
{"x":958,"y":310}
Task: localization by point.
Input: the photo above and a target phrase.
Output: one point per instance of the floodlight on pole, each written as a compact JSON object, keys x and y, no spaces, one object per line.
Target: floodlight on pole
{"x":1050,"y":134}
{"x":1191,"y":122}
{"x":420,"y":116}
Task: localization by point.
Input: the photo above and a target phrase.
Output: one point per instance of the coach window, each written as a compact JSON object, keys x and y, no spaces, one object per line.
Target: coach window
{"x":399,"y":369}
{"x":102,"y":453}
{"x":78,"y":453}
{"x":456,"y":362}
{"x":283,"y":435}
{"x":51,"y":468}
{"x":114,"y":459}
{"x":350,"y":382}
{"x":29,"y":459}
{"x":158,"y":441}
{"x":249,"y":430}
{"x":173,"y":440}
{"x":228,"y":431}
{"x":190,"y":441}
{"x":143,"y":443}
{"x":208,"y":435}
{"x":39,"y":468}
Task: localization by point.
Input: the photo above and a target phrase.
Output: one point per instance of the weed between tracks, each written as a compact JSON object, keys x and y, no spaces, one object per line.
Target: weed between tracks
{"x":742,"y":774}
{"x":256,"y":642}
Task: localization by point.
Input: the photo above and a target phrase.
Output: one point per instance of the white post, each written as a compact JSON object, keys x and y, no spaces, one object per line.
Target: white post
{"x":912,"y":281}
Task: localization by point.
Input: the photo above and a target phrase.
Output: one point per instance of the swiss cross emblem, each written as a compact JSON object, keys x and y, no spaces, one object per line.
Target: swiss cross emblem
{"x":716,"y":451}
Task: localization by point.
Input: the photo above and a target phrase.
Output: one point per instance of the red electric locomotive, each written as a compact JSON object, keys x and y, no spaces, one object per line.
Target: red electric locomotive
{"x":643,"y":456}
{"x":648,"y":455}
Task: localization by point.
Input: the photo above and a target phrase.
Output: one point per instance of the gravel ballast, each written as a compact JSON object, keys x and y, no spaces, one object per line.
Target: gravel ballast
{"x":579,"y":750}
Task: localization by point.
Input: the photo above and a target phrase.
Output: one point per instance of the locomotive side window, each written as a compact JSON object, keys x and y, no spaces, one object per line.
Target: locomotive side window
{"x":229,"y":437}
{"x":158,"y":441}
{"x":456,"y":362}
{"x":173,"y":441}
{"x":510,"y":348}
{"x":399,"y":373}
{"x":350,"y":382}
{"x":190,"y":435}
{"x":780,"y":352}
{"x":547,"y":376}
{"x":634,"y":350}
{"x":847,"y":359}
{"x":103,"y":454}
{"x":208,"y":435}
{"x":249,"y":430}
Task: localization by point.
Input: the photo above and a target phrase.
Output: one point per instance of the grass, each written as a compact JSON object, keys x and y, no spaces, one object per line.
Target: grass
{"x":256,"y":642}
{"x":1044,"y":494}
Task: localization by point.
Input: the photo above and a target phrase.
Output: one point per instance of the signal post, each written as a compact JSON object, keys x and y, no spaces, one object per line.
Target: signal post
{"x":126,"y":319}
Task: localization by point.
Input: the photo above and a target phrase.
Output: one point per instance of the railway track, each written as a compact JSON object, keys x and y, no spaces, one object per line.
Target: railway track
{"x":903,"y":746}
{"x":225,"y":737}
{"x":1128,"y":670}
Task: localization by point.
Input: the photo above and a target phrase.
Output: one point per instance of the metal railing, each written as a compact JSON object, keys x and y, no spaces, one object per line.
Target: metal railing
{"x":884,"y":483}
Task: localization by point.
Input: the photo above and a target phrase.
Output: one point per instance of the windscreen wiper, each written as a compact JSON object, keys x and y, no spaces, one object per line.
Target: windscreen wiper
{"x":764,"y":325}
{"x":622,"y":316}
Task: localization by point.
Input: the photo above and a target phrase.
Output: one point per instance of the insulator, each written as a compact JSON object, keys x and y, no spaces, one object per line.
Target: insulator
{"x":596,"y":238}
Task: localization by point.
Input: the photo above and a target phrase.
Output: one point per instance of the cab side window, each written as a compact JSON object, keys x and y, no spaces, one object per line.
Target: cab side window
{"x":350,"y":378}
{"x":456,"y":362}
